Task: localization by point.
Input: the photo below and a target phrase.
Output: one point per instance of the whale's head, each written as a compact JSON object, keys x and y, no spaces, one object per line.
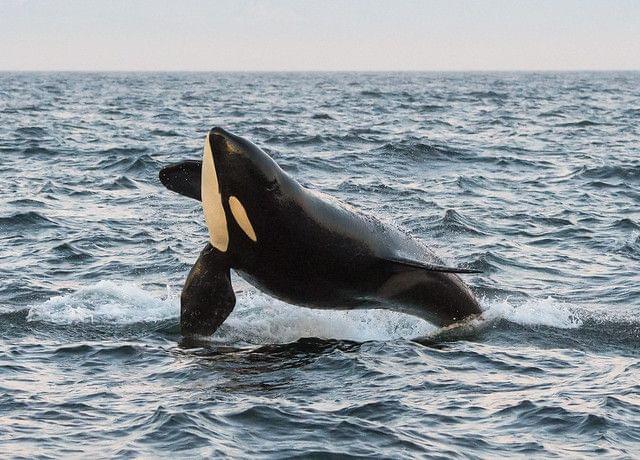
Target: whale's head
{"x":233,"y":180}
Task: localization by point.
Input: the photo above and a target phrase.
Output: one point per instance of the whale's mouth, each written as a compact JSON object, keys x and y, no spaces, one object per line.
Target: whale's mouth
{"x":214,"y":214}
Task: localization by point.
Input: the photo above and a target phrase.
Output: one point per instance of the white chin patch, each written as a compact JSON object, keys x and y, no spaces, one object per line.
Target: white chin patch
{"x":241,"y":217}
{"x":212,"y":202}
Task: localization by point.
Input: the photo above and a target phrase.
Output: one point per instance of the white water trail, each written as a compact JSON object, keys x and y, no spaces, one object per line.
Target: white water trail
{"x":533,"y":312}
{"x":260,"y":319}
{"x":107,"y":302}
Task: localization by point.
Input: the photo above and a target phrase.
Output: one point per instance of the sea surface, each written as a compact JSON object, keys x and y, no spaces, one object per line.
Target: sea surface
{"x":533,"y":178}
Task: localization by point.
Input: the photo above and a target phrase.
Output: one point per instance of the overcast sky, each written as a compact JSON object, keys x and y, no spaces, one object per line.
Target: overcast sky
{"x":319,"y":35}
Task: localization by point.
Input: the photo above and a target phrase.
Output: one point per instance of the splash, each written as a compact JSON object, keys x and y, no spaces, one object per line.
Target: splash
{"x":106,"y":302}
{"x":257,"y":318}
{"x":260,"y":319}
{"x":533,"y":312}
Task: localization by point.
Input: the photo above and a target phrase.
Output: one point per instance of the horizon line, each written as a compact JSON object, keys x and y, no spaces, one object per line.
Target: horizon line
{"x":316,"y":70}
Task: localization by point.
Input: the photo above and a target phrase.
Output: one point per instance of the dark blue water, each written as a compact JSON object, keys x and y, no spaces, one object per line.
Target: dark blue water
{"x":533,"y":178}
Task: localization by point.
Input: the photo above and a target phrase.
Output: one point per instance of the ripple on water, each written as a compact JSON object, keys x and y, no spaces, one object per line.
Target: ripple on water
{"x":25,"y":221}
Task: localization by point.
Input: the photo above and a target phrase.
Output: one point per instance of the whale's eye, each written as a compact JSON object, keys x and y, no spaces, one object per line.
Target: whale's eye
{"x":272,"y":186}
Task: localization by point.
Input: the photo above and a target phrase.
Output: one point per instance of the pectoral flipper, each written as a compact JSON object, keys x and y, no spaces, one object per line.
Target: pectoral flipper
{"x":207,"y":297}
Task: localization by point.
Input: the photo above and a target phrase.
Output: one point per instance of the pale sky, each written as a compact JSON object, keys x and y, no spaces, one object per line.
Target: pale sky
{"x":320,"y":35}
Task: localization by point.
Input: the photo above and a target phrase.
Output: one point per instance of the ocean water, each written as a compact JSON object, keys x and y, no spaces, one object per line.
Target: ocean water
{"x":533,"y":178}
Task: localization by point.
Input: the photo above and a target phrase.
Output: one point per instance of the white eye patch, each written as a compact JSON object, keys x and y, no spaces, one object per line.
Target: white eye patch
{"x":241,"y":217}
{"x":212,"y":202}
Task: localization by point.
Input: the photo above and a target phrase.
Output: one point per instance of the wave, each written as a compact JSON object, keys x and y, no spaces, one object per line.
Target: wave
{"x":24,"y":202}
{"x":579,"y":124}
{"x":454,"y":222}
{"x":262,"y":320}
{"x":322,"y":116}
{"x":537,"y":312}
{"x":128,"y":161}
{"x":372,"y":93}
{"x":121,"y":182}
{"x":626,"y":224}
{"x":488,"y":95}
{"x":631,"y":245}
{"x":295,"y":140}
{"x":417,"y":149}
{"x":67,"y":251}
{"x":626,"y":172}
{"x":106,"y":302}
{"x":29,"y":219}
{"x":164,"y":133}
{"x":31,"y":132}
{"x":431,"y":107}
{"x":38,"y":150}
{"x":259,"y":319}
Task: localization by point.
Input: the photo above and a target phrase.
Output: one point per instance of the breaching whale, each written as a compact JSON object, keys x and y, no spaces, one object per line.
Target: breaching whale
{"x":300,"y":246}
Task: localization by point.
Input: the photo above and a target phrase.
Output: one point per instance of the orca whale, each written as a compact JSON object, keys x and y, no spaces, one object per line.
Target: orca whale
{"x":300,"y":246}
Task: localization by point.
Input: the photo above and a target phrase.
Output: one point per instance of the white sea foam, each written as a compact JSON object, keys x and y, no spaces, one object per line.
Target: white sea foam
{"x":107,"y":302}
{"x":533,"y":312}
{"x":260,"y":319}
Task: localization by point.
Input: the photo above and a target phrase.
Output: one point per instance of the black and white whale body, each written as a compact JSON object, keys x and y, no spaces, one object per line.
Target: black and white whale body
{"x":300,"y":246}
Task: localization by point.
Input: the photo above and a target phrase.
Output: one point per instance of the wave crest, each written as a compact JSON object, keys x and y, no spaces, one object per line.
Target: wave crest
{"x":106,"y":302}
{"x":260,"y":319}
{"x":537,"y":312}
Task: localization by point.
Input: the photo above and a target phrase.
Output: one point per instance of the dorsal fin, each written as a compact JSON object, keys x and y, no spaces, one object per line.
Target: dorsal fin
{"x":430,"y":267}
